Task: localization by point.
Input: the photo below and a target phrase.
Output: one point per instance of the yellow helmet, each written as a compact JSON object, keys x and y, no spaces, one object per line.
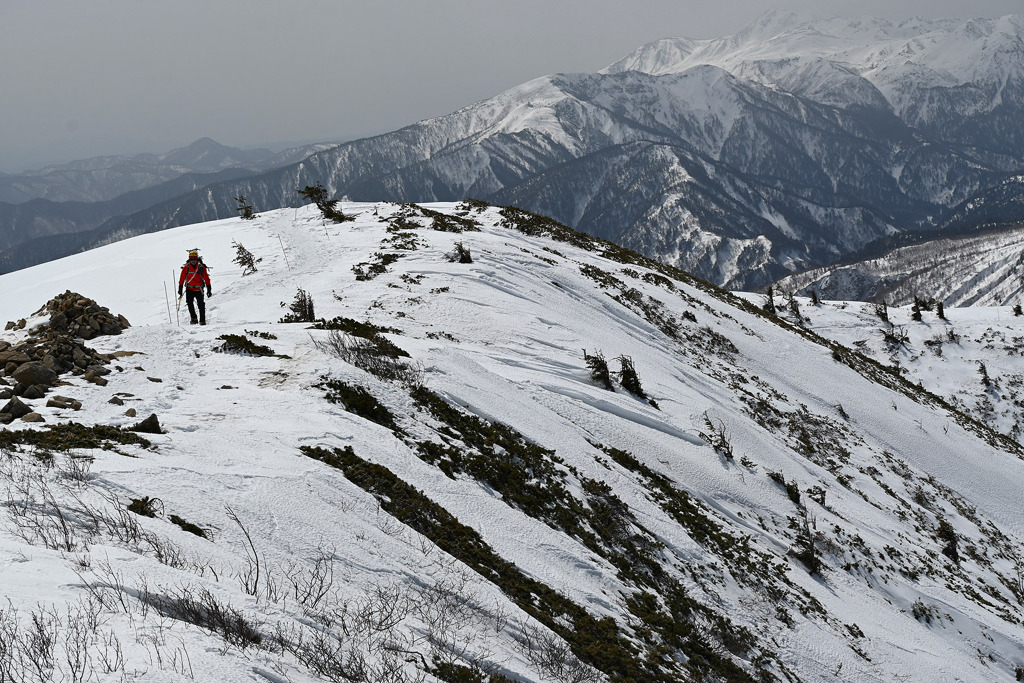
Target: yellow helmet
{"x":193,"y":254}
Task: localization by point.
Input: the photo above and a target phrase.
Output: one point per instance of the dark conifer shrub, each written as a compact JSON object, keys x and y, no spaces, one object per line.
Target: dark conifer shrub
{"x":769,"y":301}
{"x":318,"y":195}
{"x":301,"y":309}
{"x":599,"y":369}
{"x":628,"y":377}
{"x":245,"y":208}
{"x":244,"y":258}
{"x":460,"y":254}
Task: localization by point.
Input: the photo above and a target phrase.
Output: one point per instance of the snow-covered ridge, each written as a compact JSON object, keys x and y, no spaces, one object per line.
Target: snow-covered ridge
{"x":790,"y":507}
{"x":774,"y":48}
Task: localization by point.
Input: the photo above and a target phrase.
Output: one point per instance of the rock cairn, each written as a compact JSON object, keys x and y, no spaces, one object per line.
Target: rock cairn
{"x":30,"y":368}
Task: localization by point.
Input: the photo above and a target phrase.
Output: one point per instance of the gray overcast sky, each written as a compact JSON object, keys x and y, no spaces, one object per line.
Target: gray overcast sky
{"x":82,"y":79}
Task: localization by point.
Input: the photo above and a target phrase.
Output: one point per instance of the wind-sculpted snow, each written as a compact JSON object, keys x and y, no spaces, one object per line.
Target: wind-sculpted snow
{"x":428,"y":485}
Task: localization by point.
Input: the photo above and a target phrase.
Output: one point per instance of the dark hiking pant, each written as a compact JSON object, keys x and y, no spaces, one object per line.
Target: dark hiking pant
{"x":192,"y":298}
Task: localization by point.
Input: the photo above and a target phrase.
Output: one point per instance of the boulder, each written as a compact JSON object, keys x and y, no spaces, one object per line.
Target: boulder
{"x":34,"y":391}
{"x":13,"y":356}
{"x":16,"y":408}
{"x":95,"y":379}
{"x":64,"y":402}
{"x":151,"y":425}
{"x":35,"y":373}
{"x":32,"y":417}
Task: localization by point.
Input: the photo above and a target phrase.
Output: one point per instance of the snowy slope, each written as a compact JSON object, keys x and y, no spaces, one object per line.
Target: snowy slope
{"x":979,"y":270}
{"x":806,"y":544}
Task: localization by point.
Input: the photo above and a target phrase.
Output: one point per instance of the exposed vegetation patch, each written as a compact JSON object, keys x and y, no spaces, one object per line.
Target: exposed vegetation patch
{"x":242,"y":345}
{"x":450,"y":223}
{"x":358,"y":401}
{"x":533,"y":479}
{"x":597,"y":642}
{"x":68,"y":436}
{"x":366,"y":330}
{"x":188,"y":526}
{"x":368,"y":270}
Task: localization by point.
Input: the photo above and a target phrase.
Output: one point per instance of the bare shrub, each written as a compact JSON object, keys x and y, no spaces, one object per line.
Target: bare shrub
{"x":367,"y":355}
{"x":553,"y":656}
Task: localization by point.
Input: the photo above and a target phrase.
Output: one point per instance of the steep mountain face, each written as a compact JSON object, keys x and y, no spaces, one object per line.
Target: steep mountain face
{"x":980,"y":270}
{"x":785,"y":146}
{"x":503,"y":451}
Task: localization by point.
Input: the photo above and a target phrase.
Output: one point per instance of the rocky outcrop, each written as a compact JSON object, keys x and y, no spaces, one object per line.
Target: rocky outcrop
{"x":32,"y":366}
{"x":79,"y":316}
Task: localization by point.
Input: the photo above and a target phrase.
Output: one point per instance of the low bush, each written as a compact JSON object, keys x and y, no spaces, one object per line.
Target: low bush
{"x":302,"y":309}
{"x":242,"y":345}
{"x":358,"y":401}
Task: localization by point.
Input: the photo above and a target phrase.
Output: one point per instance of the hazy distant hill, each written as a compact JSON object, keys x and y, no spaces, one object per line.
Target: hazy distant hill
{"x":104,"y":178}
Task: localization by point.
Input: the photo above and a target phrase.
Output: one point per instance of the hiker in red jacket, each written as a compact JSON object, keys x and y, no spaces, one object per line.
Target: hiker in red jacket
{"x":193,"y":276}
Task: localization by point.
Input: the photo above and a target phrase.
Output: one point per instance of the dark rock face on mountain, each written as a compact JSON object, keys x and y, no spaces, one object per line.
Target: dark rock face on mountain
{"x":783,"y":147}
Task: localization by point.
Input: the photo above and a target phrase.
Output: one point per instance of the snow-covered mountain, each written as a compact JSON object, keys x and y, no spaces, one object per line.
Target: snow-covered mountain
{"x":978,"y":270}
{"x":434,"y":483}
{"x":785,"y":146}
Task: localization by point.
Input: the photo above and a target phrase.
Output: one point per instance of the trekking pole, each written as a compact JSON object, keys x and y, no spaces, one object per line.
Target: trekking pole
{"x":167,"y":299}
{"x":178,"y":308}
{"x":284,"y":252}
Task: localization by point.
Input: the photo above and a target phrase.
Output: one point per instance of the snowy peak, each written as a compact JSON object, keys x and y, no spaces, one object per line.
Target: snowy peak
{"x":976,"y":51}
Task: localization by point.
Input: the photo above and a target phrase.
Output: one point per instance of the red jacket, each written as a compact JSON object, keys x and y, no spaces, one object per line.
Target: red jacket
{"x":194,"y":277}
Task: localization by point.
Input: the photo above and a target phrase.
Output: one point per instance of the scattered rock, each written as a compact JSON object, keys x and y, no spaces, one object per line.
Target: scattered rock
{"x":54,"y":348}
{"x":32,"y":417}
{"x":130,"y":412}
{"x":95,"y":379}
{"x":154,"y":379}
{"x":151,"y":425}
{"x":16,"y":408}
{"x":116,"y":401}
{"x":64,"y":402}
{"x":6,"y":418}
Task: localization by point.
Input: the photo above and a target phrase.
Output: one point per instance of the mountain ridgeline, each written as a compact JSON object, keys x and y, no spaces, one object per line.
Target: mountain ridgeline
{"x":783,"y":147}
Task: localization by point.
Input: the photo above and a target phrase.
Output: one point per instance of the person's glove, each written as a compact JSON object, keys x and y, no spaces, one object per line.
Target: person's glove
{"x":179,"y":292}
{"x":209,"y":291}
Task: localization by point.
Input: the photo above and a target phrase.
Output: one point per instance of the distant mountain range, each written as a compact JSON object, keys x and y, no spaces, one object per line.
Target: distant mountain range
{"x":100,"y":179}
{"x":783,"y":147}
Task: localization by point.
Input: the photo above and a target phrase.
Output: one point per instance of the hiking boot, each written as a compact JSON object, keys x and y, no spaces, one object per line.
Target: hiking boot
{"x":202,"y":322}
{"x":193,"y":321}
